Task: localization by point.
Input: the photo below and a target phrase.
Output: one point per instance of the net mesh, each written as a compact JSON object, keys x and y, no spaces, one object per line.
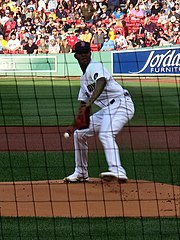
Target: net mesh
{"x":35,"y":203}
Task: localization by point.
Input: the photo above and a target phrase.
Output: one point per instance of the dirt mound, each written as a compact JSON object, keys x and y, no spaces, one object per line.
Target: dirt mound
{"x":93,"y":199}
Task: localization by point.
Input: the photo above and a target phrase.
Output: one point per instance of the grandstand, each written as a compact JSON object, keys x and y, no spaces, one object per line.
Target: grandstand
{"x":38,"y":19}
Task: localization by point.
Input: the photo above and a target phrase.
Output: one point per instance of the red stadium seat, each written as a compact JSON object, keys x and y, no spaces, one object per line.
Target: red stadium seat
{"x":95,"y":47}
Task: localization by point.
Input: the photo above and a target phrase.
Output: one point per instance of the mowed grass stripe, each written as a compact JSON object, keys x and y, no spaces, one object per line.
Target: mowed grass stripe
{"x":145,"y":165}
{"x":53,"y":102}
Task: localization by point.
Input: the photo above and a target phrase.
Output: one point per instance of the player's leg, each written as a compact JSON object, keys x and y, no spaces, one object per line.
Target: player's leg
{"x":81,"y":148}
{"x":114,"y":118}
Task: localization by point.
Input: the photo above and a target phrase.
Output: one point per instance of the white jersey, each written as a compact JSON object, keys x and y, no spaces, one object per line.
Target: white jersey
{"x":94,"y":71}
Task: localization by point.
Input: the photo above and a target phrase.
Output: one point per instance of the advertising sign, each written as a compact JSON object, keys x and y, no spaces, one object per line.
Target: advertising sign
{"x":161,"y":61}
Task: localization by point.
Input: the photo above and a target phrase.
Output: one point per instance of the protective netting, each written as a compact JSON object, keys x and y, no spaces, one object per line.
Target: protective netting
{"x":35,"y":203}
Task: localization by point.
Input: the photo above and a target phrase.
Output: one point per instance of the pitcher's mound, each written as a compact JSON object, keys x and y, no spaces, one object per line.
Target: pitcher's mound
{"x":93,"y":199}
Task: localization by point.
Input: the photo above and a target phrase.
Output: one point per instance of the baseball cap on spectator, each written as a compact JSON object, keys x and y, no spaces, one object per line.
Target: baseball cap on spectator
{"x":1,"y":36}
{"x":23,"y":28}
{"x":13,"y":33}
{"x":173,"y":19}
{"x":82,"y":47}
{"x":161,"y":30}
{"x":31,"y":9}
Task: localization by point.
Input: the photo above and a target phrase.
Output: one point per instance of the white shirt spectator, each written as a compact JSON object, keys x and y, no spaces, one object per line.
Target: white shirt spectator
{"x":120,"y":41}
{"x":52,"y":4}
{"x":41,"y":5}
{"x":5,"y":18}
{"x":54,"y":47}
{"x":13,"y":44}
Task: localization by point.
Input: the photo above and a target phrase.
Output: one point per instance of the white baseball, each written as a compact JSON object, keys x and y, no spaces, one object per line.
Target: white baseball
{"x":66,"y":135}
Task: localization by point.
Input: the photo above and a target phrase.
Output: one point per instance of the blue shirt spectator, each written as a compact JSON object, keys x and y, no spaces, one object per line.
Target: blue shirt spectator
{"x":108,"y":44}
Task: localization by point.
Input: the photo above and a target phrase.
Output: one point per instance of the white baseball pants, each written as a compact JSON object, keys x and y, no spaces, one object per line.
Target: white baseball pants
{"x":107,"y":123}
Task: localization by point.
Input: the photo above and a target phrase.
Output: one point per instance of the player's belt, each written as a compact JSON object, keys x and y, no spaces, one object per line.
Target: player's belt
{"x":126,"y":94}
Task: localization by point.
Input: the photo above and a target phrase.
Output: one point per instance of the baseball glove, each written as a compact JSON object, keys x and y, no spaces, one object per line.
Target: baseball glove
{"x":82,"y":119}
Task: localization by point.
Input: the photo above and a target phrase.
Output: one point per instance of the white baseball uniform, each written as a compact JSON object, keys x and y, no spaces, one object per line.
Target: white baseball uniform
{"x":116,"y":109}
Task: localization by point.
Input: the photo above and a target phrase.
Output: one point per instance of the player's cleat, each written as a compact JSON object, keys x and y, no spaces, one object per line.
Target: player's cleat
{"x":110,"y":176}
{"x":76,"y":177}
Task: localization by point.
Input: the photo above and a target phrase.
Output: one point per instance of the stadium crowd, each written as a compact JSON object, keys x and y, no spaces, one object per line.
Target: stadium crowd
{"x":54,"y":26}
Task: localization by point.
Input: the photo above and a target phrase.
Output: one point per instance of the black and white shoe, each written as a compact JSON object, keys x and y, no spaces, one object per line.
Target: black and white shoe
{"x":76,"y":177}
{"x":110,"y":176}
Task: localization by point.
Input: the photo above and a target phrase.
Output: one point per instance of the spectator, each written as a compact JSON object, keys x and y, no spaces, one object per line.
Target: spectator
{"x":129,"y":10}
{"x":41,"y":5}
{"x":50,"y":24}
{"x":132,"y":40}
{"x":9,"y":26}
{"x":54,"y":35}
{"x":136,"y":13}
{"x":176,"y":5}
{"x":61,"y":13}
{"x":31,"y":4}
{"x":111,"y":33}
{"x":155,"y":8}
{"x":177,"y":36}
{"x":5,"y":18}
{"x":98,"y":37}
{"x":108,"y":44}
{"x":65,"y":47}
{"x":150,"y":41}
{"x":177,"y":24}
{"x":120,"y":41}
{"x":30,"y":13}
{"x":65,"y":4}
{"x":13,"y":43}
{"x":118,"y":13}
{"x":104,"y":15}
{"x":72,"y":39}
{"x":149,"y":26}
{"x":166,"y":8}
{"x":43,"y":31}
{"x":22,"y":33}
{"x":43,"y":47}
{"x":24,"y":41}
{"x":52,"y":4}
{"x":54,"y":47}
{"x":163,"y":17}
{"x":173,"y":15}
{"x":3,"y":42}
{"x":170,"y":3}
{"x":133,"y":2}
{"x":42,"y":16}
{"x":52,"y":14}
{"x":86,"y":35}
{"x":162,"y":38}
{"x":87,"y":11}
{"x":32,"y":34}
{"x":173,"y":36}
{"x":30,"y":47}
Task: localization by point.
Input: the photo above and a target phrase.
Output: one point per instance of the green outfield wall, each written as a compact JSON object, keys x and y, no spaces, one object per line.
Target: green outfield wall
{"x":46,"y":65}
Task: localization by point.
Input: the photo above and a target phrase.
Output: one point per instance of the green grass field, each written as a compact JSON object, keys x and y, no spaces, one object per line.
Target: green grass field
{"x":52,"y":102}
